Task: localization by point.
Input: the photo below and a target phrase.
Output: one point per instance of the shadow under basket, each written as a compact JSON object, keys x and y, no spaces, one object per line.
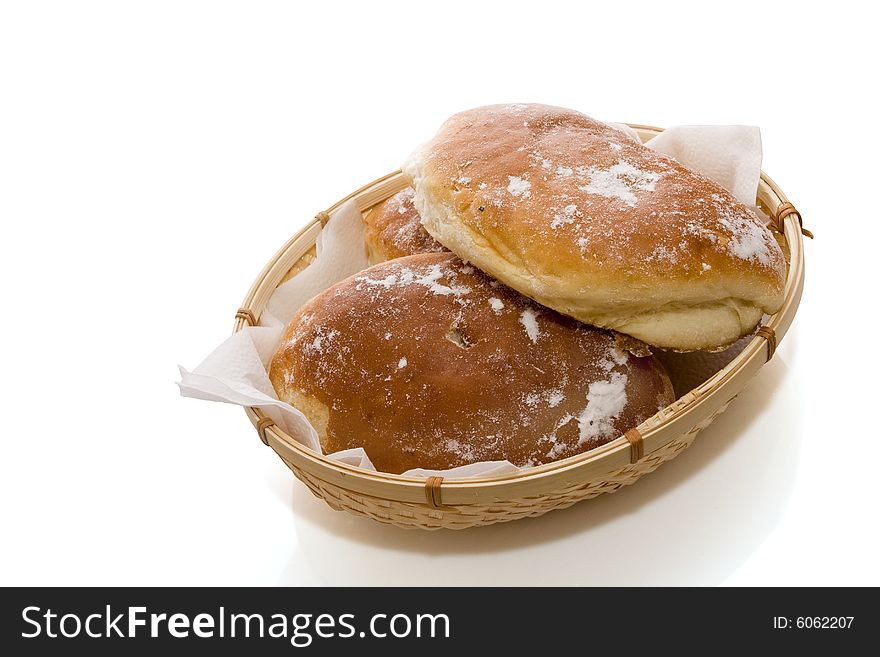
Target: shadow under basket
{"x":461,"y":503}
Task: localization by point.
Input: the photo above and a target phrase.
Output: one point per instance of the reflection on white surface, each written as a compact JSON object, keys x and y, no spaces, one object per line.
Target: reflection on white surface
{"x":693,"y":521}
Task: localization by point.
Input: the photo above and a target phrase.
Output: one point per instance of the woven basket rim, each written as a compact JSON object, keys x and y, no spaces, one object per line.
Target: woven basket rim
{"x":606,"y":458}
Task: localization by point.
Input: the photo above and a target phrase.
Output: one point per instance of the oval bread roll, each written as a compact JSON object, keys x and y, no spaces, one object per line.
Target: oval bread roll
{"x":425,"y":361}
{"x":580,"y":217}
{"x":394,"y":229}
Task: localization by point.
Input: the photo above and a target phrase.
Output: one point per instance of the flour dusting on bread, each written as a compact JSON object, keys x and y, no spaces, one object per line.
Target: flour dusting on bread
{"x":605,"y":402}
{"x":582,"y":218}
{"x":528,"y":318}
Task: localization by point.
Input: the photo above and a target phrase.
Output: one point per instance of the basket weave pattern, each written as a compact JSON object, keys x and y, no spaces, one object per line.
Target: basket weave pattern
{"x":408,"y":515}
{"x":463,"y":503}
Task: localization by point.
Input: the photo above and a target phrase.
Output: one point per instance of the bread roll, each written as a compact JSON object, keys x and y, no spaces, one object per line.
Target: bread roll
{"x":394,"y":229}
{"x":580,"y":217}
{"x":425,"y":361}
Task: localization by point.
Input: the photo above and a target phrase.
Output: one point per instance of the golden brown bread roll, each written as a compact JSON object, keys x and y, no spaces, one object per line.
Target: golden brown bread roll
{"x":394,"y":229}
{"x":425,"y":361}
{"x":580,"y":217}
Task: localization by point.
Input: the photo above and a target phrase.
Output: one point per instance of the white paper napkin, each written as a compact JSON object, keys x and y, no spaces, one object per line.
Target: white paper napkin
{"x":728,"y":154}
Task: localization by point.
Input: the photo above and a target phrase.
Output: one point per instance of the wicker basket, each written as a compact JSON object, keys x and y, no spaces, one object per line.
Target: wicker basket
{"x":461,"y":503}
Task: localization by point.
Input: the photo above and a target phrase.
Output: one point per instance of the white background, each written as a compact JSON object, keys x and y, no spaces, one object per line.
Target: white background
{"x":153,"y":156}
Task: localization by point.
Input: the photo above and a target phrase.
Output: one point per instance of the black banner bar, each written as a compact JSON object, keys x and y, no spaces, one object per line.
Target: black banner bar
{"x":431,"y":621}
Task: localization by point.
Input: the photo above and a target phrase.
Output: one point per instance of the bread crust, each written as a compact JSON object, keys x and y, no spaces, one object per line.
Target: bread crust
{"x":581,"y":218}
{"x":425,"y":361}
{"x":393,"y":229}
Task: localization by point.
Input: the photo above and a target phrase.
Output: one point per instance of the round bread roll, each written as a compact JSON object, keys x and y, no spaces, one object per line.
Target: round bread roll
{"x":394,"y":229}
{"x":425,"y":361}
{"x":580,"y":217}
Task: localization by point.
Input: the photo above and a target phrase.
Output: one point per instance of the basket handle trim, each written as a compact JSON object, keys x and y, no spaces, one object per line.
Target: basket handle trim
{"x":432,"y":492}
{"x":785,"y":209}
{"x":323,"y":217}
{"x":636,"y":445}
{"x":247,"y":315}
{"x":770,"y":336}
{"x":263,"y":424}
